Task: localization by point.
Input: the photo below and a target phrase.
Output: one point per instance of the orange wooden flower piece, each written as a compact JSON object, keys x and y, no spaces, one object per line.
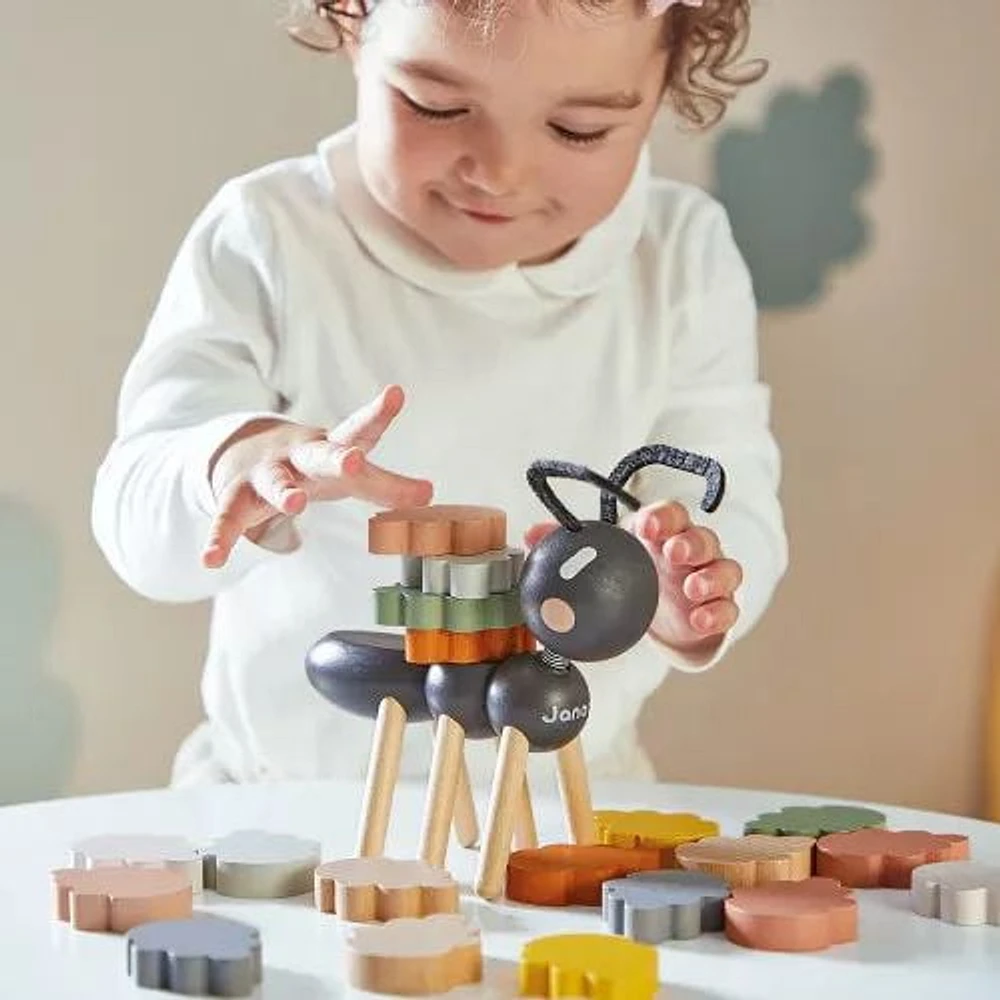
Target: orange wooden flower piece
{"x":572,"y":874}
{"x":886,"y":858}
{"x":808,"y":915}
{"x":437,"y":530}
{"x":423,"y":646}
{"x":117,"y":898}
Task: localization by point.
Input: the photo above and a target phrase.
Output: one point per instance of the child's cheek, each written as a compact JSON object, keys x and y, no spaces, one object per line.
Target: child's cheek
{"x":425,"y":150}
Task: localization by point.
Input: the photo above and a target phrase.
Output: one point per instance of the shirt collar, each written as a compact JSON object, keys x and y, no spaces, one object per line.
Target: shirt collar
{"x":578,"y":272}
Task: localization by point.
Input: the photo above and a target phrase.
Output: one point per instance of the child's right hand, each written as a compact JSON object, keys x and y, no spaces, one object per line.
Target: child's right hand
{"x":273,"y":468}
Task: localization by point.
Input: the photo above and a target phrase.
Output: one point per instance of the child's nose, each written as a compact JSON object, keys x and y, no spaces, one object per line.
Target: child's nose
{"x":495,"y":165}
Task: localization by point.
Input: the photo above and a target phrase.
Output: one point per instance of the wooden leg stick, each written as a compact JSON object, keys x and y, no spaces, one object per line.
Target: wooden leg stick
{"x":575,"y":789}
{"x":466,"y":823}
{"x":383,"y":773}
{"x":525,"y":833}
{"x":442,"y":786}
{"x":508,"y":784}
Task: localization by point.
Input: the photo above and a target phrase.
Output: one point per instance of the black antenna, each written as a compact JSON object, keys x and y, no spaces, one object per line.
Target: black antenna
{"x":675,"y":458}
{"x":538,"y":479}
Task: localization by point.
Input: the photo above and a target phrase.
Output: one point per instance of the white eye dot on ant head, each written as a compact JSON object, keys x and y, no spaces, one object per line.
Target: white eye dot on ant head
{"x":578,"y":561}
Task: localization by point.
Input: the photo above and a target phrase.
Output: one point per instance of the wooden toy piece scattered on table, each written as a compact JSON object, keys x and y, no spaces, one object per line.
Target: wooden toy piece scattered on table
{"x":653,"y":907}
{"x":809,"y":915}
{"x":884,"y":858}
{"x":258,"y":864}
{"x":587,"y":591}
{"x":958,"y":892}
{"x":414,"y":956}
{"x":117,"y":898}
{"x":749,"y":860}
{"x":815,"y":821}
{"x":646,"y":828}
{"x":366,"y":890}
{"x":437,"y":530}
{"x":588,"y":965}
{"x":143,"y":850}
{"x":201,"y":956}
{"x":572,"y":874}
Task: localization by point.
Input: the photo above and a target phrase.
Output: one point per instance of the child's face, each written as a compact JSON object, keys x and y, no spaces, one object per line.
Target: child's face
{"x":503,"y":147}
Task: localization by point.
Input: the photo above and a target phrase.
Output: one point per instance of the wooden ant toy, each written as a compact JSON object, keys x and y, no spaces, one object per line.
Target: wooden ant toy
{"x":587,"y":591}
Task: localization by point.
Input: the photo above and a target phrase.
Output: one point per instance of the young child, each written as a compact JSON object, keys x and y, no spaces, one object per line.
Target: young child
{"x":485,"y":237}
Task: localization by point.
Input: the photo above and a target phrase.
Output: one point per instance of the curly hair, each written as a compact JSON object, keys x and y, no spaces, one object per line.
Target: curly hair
{"x":705,"y":44}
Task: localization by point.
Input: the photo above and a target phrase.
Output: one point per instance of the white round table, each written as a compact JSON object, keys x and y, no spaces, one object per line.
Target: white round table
{"x":899,"y":954}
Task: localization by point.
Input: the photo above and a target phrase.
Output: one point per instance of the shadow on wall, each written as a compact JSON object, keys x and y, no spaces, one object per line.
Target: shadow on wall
{"x":792,"y":188}
{"x":39,"y":717}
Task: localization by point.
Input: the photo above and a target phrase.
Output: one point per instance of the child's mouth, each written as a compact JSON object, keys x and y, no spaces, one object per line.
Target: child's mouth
{"x":487,"y":217}
{"x":490,"y":218}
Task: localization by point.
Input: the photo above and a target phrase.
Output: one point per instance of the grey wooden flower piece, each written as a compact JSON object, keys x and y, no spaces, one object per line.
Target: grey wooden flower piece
{"x":658,"y":906}
{"x":201,"y":956}
{"x":257,"y":864}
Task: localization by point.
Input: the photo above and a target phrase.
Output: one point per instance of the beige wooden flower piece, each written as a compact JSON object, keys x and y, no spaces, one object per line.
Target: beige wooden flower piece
{"x":754,"y":859}
{"x":414,"y":956}
{"x":378,"y":889}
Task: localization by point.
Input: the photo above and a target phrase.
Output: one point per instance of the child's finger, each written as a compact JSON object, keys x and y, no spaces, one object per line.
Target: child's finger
{"x":719,"y":579}
{"x":363,"y":428}
{"x":660,"y":521}
{"x":714,"y":617}
{"x":239,"y":508}
{"x":322,"y":460}
{"x":696,"y":546}
{"x":278,"y":486}
{"x":537,"y":532}
{"x":379,"y":486}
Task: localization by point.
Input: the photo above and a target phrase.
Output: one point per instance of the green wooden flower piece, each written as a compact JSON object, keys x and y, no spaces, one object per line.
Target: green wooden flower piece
{"x":404,"y":606}
{"x":814,"y":821}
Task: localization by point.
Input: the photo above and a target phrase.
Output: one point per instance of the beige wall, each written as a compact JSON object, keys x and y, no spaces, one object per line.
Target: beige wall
{"x":867,"y":678}
{"x":119,"y":121}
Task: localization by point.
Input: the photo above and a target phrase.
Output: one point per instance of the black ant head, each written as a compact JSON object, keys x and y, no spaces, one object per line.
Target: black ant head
{"x":589,"y":589}
{"x":589,"y":594}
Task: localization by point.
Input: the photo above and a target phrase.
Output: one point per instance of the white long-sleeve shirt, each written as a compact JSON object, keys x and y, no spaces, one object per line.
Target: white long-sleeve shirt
{"x":295,"y":295}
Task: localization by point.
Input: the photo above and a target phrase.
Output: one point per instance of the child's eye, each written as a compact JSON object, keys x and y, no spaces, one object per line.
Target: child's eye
{"x":579,"y":138}
{"x":435,"y":114}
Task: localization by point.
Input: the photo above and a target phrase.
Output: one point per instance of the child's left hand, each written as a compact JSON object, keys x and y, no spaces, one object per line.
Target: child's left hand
{"x":697,"y":583}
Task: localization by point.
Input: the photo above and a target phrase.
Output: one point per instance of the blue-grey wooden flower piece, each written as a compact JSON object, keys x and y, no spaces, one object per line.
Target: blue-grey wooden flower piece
{"x":658,"y":906}
{"x":201,"y":956}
